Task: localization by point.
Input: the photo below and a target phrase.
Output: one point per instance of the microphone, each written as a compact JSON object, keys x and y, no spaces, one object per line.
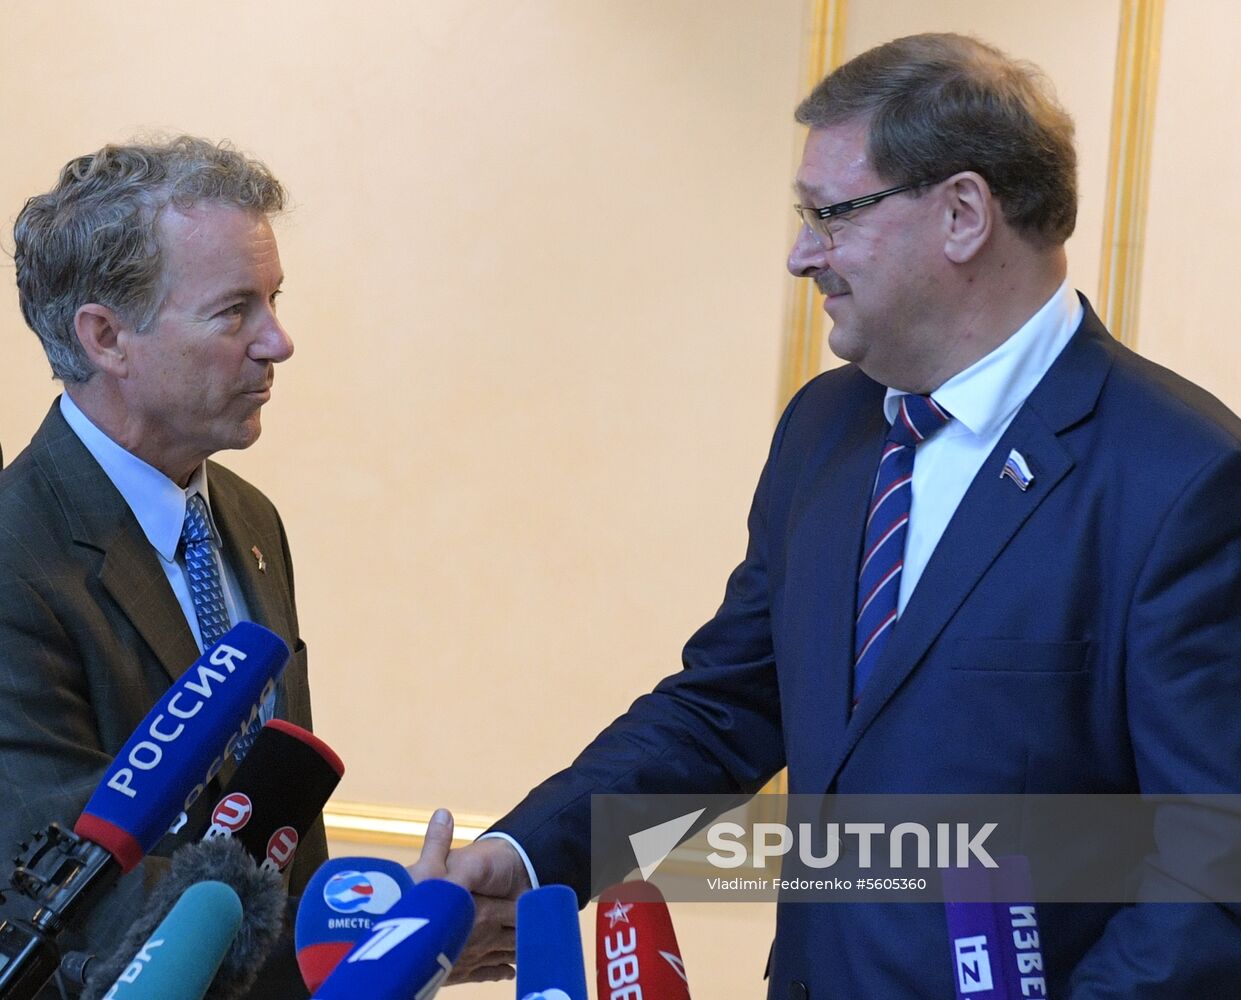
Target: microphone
{"x":340,"y":904}
{"x":550,"y":965}
{"x":277,"y":792}
{"x":636,"y":952}
{"x":996,"y":953}
{"x":411,"y":951}
{"x":262,"y":897}
{"x":163,"y":768}
{"x":177,"y":748}
{"x":181,"y":957}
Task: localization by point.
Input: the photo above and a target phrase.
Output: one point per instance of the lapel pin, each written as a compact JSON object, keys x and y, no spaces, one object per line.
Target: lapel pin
{"x":258,"y":556}
{"x":1016,"y":469}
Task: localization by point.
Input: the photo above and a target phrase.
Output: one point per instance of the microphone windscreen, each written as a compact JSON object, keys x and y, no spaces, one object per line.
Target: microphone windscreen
{"x":182,"y":743}
{"x":262,"y":898}
{"x":549,"y":945}
{"x":636,"y":951}
{"x":277,"y":792}
{"x":181,"y":956}
{"x":410,"y":951}
{"x":339,"y":905}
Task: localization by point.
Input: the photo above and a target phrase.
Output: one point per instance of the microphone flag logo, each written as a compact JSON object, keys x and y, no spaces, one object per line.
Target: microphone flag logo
{"x":361,"y":892}
{"x":548,"y":995}
{"x":618,"y":914}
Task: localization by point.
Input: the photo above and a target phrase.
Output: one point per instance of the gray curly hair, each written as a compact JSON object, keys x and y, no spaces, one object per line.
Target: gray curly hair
{"x":93,"y":238}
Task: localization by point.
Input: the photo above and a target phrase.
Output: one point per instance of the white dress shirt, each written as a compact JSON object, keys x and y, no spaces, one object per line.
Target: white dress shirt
{"x":983,"y":400}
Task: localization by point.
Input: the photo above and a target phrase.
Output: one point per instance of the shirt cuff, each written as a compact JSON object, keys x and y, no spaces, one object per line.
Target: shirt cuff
{"x":525,"y":858}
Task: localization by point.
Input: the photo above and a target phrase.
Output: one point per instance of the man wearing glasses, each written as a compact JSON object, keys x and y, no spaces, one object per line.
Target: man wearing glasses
{"x":996,"y":553}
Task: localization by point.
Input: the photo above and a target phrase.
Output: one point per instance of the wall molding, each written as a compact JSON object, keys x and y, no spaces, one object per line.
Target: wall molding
{"x":1129,"y":161}
{"x":394,"y":826}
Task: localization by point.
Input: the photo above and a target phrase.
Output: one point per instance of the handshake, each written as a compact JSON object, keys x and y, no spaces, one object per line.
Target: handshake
{"x":535,"y":929}
{"x":495,"y":875}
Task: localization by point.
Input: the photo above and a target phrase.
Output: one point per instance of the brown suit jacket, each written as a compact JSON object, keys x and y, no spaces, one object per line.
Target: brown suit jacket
{"x":91,"y":636}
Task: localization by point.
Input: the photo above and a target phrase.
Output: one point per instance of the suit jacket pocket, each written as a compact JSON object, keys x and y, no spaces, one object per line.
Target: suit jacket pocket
{"x":1020,"y":655}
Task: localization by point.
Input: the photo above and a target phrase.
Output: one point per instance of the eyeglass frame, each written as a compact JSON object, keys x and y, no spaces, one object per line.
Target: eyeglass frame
{"x":845,"y":207}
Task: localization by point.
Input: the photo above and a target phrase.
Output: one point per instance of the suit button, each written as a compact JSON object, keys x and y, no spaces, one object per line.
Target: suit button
{"x":798,"y":991}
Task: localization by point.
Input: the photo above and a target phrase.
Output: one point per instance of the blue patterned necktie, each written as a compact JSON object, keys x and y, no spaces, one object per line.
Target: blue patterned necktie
{"x":203,"y":572}
{"x":207,"y":593}
{"x":887,"y":523}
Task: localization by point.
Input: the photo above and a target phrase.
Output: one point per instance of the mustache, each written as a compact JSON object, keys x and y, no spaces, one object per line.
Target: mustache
{"x":831,"y":283}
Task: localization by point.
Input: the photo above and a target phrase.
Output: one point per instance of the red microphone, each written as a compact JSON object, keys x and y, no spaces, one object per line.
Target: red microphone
{"x":636,"y":952}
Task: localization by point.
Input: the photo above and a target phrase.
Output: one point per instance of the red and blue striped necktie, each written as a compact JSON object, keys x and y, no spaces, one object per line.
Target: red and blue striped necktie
{"x":887,"y":523}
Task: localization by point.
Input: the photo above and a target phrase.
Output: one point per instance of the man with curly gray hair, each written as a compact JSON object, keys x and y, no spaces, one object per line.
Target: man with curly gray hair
{"x":150,"y":274}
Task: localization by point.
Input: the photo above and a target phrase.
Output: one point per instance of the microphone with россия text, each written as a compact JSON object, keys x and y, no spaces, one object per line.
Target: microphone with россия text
{"x":162,"y":769}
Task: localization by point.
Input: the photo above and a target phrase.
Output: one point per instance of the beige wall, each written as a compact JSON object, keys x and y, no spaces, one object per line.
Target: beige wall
{"x":1187,"y":316}
{"x":535,"y":281}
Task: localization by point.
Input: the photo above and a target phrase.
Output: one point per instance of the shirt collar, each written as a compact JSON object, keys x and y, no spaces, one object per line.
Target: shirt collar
{"x":157,"y":502}
{"x":986,"y":395}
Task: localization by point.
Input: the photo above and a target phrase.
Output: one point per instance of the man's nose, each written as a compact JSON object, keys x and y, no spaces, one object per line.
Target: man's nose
{"x":808,"y":255}
{"x":274,"y":344}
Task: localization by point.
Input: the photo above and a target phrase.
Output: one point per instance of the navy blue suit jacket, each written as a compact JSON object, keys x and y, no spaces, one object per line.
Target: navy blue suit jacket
{"x":1082,"y":636}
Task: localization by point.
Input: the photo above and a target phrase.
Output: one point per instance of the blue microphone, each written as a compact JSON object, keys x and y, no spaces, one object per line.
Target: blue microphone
{"x":162,"y":769}
{"x":410,"y":951}
{"x":993,"y":930}
{"x":550,"y":965}
{"x":181,"y":958}
{"x":340,"y":904}
{"x":182,"y":743}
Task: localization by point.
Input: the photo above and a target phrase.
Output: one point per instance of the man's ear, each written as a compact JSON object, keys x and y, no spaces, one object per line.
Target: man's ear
{"x":99,"y":331}
{"x":971,"y":214}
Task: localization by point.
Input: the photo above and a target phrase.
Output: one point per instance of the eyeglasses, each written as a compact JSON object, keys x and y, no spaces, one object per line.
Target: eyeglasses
{"x":819,"y":219}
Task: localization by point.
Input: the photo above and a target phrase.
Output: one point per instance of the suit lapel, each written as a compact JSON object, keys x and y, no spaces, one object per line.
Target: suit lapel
{"x":830,"y":514}
{"x":99,"y":518}
{"x":240,"y":540}
{"x":992,"y":511}
{"x":256,"y":556}
{"x":136,"y":581}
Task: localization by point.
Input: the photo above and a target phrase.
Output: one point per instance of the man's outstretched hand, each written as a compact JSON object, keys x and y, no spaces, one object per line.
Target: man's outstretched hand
{"x":495,"y":875}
